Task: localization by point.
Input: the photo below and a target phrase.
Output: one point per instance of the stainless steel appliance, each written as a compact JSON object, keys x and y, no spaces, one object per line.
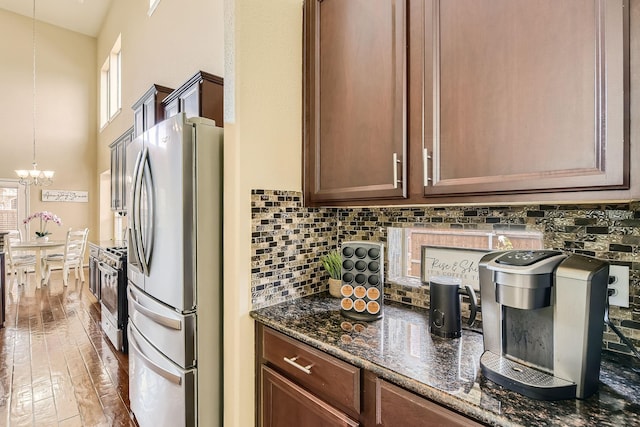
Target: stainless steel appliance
{"x":94,"y":273}
{"x":444,"y":306}
{"x":542,"y":321}
{"x":112,"y":267}
{"x":174,"y":272}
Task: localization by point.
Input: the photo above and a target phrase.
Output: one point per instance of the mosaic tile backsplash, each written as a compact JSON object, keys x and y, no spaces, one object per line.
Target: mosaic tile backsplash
{"x":289,"y":239}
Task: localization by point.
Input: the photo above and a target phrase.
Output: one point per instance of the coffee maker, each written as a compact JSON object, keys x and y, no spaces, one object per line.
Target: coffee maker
{"x":542,"y":322}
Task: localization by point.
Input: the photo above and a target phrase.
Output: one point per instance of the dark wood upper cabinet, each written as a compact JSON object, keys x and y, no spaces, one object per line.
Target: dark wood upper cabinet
{"x":477,"y":100}
{"x":118,"y":151}
{"x":527,"y":96}
{"x":148,"y":110}
{"x":355,"y":99}
{"x":201,"y":95}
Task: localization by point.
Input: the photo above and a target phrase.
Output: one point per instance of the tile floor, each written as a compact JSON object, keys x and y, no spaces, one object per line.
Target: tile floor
{"x":56,"y":366}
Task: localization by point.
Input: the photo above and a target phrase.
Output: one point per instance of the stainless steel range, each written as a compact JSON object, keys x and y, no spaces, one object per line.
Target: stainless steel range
{"x":112,"y":265}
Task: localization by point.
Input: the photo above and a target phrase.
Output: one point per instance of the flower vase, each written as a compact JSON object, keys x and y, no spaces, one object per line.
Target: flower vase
{"x":42,"y":239}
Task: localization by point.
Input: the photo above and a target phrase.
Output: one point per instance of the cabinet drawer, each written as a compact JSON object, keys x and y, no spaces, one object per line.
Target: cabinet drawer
{"x":333,"y":380}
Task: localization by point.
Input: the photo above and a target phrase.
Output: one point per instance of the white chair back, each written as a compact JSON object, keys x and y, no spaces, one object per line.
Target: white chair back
{"x":18,"y":262}
{"x":72,"y":258}
{"x":76,"y":244}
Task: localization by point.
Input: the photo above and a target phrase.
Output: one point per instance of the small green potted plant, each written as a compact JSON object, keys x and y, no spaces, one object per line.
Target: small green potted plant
{"x":332,"y":263}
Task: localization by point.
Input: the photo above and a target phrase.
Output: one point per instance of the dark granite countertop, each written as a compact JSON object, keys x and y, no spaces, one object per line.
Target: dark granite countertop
{"x":400,"y":349}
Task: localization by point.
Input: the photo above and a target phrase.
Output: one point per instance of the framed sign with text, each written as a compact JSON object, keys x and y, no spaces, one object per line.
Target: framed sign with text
{"x":454,"y":262}
{"x":65,"y":196}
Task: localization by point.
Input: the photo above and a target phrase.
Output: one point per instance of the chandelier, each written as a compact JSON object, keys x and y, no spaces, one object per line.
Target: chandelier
{"x":34,"y":176}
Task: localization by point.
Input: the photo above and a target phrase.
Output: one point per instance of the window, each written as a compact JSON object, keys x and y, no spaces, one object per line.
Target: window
{"x":152,"y":6}
{"x":13,"y":205}
{"x":405,"y":246}
{"x":111,"y":85}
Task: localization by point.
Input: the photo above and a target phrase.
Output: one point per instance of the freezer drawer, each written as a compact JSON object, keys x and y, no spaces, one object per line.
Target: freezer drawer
{"x":161,"y":393}
{"x":171,"y":333}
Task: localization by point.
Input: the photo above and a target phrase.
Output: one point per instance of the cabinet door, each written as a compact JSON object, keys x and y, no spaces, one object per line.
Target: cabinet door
{"x":118,"y":170}
{"x":125,"y":141}
{"x":396,"y":407}
{"x":355,"y":99}
{"x":138,"y":120}
{"x":149,"y":107}
{"x":527,"y":96}
{"x":115,"y":176}
{"x":285,"y":404}
{"x":171,"y":109}
{"x":190,"y":101}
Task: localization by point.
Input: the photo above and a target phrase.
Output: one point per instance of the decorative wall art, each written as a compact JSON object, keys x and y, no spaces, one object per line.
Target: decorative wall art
{"x":65,"y":196}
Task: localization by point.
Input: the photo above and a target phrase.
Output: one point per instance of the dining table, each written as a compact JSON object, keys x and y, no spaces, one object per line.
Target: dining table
{"x":38,"y":248}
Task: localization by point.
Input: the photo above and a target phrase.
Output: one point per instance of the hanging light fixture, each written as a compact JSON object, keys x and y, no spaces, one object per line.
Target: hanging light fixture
{"x":34,"y":176}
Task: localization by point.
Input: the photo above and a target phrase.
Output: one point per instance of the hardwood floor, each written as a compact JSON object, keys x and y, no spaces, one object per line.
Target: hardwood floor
{"x":56,"y":366}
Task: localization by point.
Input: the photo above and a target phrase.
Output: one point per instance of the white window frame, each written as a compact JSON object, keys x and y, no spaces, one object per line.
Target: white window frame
{"x":111,"y":84}
{"x":22,"y":205}
{"x":153,"y":4}
{"x":398,"y":242}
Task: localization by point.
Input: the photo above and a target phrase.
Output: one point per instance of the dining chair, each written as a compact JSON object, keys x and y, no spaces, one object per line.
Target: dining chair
{"x":18,"y":262}
{"x":72,"y":257}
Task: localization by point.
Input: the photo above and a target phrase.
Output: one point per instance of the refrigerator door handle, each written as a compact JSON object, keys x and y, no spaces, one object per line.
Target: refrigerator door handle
{"x":156,"y":317}
{"x":148,"y":226}
{"x":169,"y":376}
{"x":132,"y":205}
{"x":137,"y":212}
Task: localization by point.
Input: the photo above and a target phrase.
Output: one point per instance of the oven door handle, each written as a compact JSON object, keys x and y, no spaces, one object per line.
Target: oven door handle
{"x":156,"y":317}
{"x":107,"y":269}
{"x":169,"y":376}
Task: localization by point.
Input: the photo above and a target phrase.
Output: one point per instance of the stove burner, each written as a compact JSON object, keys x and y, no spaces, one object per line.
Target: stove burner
{"x":118,"y":250}
{"x":115,"y":257}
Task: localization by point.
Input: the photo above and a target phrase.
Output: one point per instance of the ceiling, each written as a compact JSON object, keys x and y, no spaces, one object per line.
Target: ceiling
{"x":82,"y":16}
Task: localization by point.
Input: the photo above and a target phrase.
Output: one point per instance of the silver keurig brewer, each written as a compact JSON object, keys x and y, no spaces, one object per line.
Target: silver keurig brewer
{"x":542,"y":321}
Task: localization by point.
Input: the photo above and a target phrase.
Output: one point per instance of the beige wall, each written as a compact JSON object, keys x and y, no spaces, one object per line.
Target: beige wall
{"x":262,"y":130}
{"x":263,"y":142}
{"x":65,"y":115}
{"x":166,"y":48}
{"x":176,"y":41}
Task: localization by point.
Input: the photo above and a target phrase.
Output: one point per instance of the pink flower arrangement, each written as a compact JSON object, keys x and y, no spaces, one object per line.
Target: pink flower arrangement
{"x":45,"y":217}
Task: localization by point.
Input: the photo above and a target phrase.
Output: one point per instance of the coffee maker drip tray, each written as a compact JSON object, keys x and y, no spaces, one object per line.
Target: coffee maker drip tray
{"x":525,"y":380}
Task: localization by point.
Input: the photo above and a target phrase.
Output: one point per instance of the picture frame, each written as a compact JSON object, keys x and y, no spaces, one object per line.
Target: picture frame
{"x":462,"y":263}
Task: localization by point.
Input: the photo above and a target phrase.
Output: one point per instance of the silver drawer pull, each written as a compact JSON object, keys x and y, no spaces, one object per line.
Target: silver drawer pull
{"x":292,"y":362}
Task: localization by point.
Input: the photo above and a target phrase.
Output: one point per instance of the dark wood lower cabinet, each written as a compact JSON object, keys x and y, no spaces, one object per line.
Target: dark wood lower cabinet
{"x":288,"y":396}
{"x":397,"y":407}
{"x":285,"y":404}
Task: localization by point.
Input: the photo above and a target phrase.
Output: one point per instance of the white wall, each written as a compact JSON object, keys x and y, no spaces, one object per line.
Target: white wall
{"x":263,"y":142}
{"x":65,"y":113}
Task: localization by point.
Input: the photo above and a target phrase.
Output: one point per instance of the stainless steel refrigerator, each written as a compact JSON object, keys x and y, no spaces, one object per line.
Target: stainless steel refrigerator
{"x":174,"y":175}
